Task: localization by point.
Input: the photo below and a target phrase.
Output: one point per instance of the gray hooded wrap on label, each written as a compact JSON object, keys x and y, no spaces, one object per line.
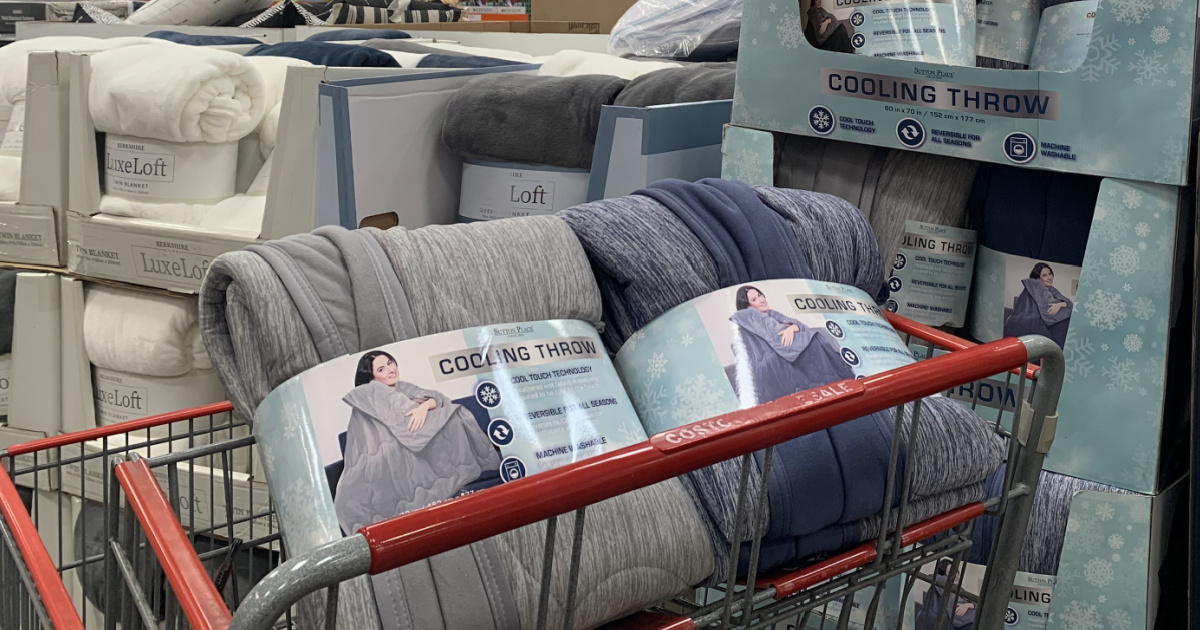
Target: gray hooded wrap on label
{"x":391,"y":470}
{"x":277,"y":309}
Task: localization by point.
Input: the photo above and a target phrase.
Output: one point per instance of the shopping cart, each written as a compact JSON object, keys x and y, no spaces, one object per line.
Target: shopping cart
{"x":53,"y":522}
{"x":156,"y":578}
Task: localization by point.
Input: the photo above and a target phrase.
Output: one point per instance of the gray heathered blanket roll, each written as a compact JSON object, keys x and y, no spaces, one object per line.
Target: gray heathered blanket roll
{"x":529,"y":119}
{"x":273,"y":311}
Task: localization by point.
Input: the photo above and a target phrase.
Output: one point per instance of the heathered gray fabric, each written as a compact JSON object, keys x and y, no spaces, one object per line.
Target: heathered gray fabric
{"x":689,"y":84}
{"x":954,"y":447}
{"x":842,"y":169}
{"x":928,"y":507}
{"x":988,"y":62}
{"x":837,"y":237}
{"x":528,"y":119}
{"x":919,"y":187}
{"x":533,"y":269}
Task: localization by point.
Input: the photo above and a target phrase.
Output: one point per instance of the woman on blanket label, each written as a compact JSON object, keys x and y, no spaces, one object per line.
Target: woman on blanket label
{"x":406,"y":447}
{"x":1041,"y":309}
{"x":779,"y":355}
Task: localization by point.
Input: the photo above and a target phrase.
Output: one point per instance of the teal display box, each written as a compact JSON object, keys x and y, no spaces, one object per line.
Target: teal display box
{"x":1119,"y":422}
{"x":1123,"y":108}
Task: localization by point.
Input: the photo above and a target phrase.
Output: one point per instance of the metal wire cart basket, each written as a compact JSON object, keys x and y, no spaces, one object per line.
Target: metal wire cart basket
{"x":184,"y":542}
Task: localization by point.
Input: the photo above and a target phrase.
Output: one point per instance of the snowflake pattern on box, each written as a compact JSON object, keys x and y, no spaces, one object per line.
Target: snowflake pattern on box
{"x":1113,"y":400}
{"x":748,"y":156}
{"x":1101,"y":583}
{"x":1137,"y":60}
{"x":688,"y":386}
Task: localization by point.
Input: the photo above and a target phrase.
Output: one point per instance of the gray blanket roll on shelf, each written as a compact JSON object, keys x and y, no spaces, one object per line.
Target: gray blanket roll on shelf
{"x":689,"y":84}
{"x":529,"y":119}
{"x":842,"y":169}
{"x":277,"y":309}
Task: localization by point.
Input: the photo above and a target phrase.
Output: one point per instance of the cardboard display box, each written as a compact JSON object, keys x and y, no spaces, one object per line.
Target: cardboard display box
{"x":604,"y":12}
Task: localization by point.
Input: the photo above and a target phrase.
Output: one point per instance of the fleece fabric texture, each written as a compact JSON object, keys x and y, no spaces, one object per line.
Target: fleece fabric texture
{"x":1031,"y":213}
{"x":8,"y":296}
{"x":529,"y":119}
{"x":202,"y":40}
{"x":145,"y":333}
{"x":356,"y":34}
{"x":462,"y":61}
{"x":570,"y":63}
{"x":1047,"y":529}
{"x":277,"y":309}
{"x":14,"y":70}
{"x":175,"y":93}
{"x":327,"y":54}
{"x":690,"y":84}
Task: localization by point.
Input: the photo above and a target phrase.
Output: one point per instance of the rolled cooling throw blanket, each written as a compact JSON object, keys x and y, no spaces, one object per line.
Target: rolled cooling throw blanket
{"x":145,"y":333}
{"x":356,"y":34}
{"x":635,"y":242}
{"x":1035,"y":214}
{"x":689,"y":84}
{"x":570,"y":63}
{"x":202,"y":40}
{"x":843,"y":169}
{"x":327,"y":54}
{"x":919,"y":187}
{"x":261,"y":306}
{"x":14,"y":70}
{"x":676,"y":241}
{"x":1047,"y":529}
{"x":529,"y":119}
{"x":204,"y":99}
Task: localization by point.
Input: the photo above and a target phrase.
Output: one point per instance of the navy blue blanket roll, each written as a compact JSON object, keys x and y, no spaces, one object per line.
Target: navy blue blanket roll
{"x":328,"y":54}
{"x":463,"y":61}
{"x":356,"y":34}
{"x":202,"y":40}
{"x":1035,"y":214}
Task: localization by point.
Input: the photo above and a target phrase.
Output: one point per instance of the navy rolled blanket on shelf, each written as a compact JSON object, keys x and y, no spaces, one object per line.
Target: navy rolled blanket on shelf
{"x":356,"y":34}
{"x":328,"y":54}
{"x":202,"y":40}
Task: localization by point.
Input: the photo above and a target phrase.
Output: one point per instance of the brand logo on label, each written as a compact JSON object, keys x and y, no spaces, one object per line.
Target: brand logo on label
{"x":122,"y":398}
{"x":157,"y":263}
{"x":134,"y":164}
{"x":531,"y":194}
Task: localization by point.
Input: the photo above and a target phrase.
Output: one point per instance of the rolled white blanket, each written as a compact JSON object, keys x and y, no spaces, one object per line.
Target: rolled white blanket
{"x":14,"y":79}
{"x":274,"y":73}
{"x":569,"y":63}
{"x":142,"y":333}
{"x":176,"y":93}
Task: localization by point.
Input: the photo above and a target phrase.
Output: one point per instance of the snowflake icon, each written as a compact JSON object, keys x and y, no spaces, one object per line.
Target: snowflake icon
{"x":1098,"y":572}
{"x":1104,"y":347}
{"x":1133,"y":343}
{"x":1022,"y":45}
{"x":1105,"y":310}
{"x":1119,"y":619}
{"x":1081,"y":616}
{"x":686,"y":340}
{"x":791,"y":33}
{"x":1124,"y":260}
{"x":1160,"y":35}
{"x":821,"y":120}
{"x":656,"y":365}
{"x":1016,"y":16}
{"x":773,"y":8}
{"x":1148,"y":67}
{"x":1116,"y":541}
{"x":1127,"y":287}
{"x":1143,"y":308}
{"x":1102,"y":599}
{"x":1105,"y":511}
{"x":1133,"y":199}
{"x":1121,"y":377}
{"x":1101,"y":59}
{"x":1054,"y":20}
{"x":742,"y":165}
{"x":1131,"y":11}
{"x":487,"y":394}
{"x":1142,"y":229}
{"x":266,"y":456}
{"x":289,"y":429}
{"x":1171,"y":83}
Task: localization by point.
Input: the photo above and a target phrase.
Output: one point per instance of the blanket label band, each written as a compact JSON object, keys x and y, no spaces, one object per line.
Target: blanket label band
{"x":713,"y":428}
{"x":495,"y":191}
{"x":28,"y":234}
{"x":931,"y":275}
{"x":158,"y":171}
{"x":14,"y":133}
{"x":121,"y":396}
